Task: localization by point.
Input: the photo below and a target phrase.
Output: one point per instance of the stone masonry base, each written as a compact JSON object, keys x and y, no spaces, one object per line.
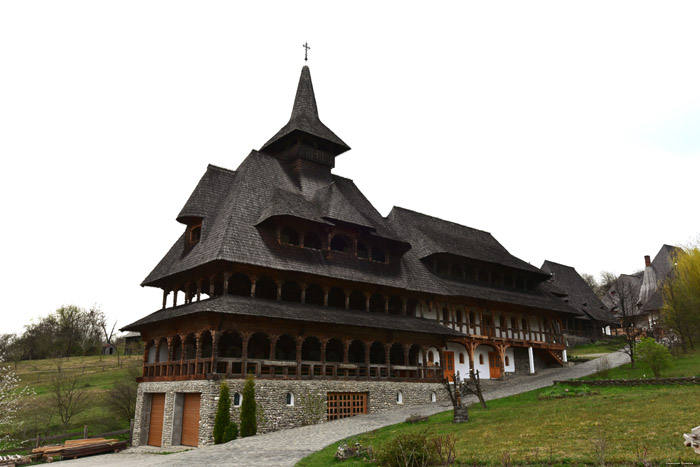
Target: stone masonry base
{"x":271,"y":397}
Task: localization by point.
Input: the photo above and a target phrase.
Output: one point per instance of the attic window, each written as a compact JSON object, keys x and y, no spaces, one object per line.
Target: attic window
{"x":378,"y":255}
{"x":195,"y":233}
{"x":312,"y":240}
{"x":341,"y":243}
{"x":289,"y":236}
{"x":362,"y":251}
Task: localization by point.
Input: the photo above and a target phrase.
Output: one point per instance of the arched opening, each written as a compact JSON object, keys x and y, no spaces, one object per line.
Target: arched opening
{"x":163,"y":350}
{"x":396,"y":354}
{"x":362,"y":251}
{"x":378,"y":254}
{"x":311,"y":349}
{"x":377,"y":355}
{"x":151,"y":352}
{"x":395,"y":305}
{"x":414,"y":355}
{"x":334,"y":350}
{"x":266,"y":288}
{"x":205,"y":342}
{"x":336,"y":298}
{"x":230,"y":345}
{"x":291,"y":292}
{"x":357,"y":300}
{"x":356,"y":352}
{"x":259,"y":346}
{"x":190,"y":347}
{"x":239,"y":284}
{"x":412,"y":308}
{"x":177,"y":348}
{"x":376,"y":303}
{"x":314,"y":295}
{"x":286,"y":348}
{"x":341,"y":243}
{"x":312,"y":240}
{"x":289,"y":236}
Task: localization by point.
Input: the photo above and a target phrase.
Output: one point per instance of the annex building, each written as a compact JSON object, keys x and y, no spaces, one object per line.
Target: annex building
{"x":284,"y":270}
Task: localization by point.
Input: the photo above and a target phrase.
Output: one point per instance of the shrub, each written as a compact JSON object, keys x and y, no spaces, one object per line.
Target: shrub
{"x":408,"y":450}
{"x":653,"y":354}
{"x":223,"y":414}
{"x":249,"y":424}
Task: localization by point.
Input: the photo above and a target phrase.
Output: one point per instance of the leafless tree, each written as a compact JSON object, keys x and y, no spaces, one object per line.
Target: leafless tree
{"x":68,"y":396}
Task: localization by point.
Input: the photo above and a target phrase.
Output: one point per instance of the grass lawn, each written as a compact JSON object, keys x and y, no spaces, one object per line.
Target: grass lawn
{"x":635,"y":424}
{"x":597,"y":347}
{"x":96,"y":375}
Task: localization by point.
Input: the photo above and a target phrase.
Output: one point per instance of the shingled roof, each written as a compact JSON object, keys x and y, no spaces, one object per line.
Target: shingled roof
{"x":579,"y":294}
{"x":305,"y":118}
{"x":245,"y":306}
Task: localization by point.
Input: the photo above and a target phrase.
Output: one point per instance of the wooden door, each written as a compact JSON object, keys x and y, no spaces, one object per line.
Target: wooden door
{"x":449,"y":366}
{"x":494,"y":366}
{"x":346,"y":404}
{"x":155,"y":428}
{"x":190,"y":419}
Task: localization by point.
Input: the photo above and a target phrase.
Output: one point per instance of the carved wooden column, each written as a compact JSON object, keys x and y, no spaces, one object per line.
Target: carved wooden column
{"x":273,"y":346}
{"x":245,"y":339}
{"x":253,"y":281}
{"x":227,"y":276}
{"x":212,"y":285}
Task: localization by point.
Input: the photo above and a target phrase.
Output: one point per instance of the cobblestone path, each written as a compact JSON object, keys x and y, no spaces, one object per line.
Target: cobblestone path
{"x":287,"y":447}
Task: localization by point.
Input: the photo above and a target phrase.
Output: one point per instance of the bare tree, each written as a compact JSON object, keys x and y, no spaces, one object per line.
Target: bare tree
{"x":623,"y":295}
{"x":69,"y":397}
{"x":121,"y":399}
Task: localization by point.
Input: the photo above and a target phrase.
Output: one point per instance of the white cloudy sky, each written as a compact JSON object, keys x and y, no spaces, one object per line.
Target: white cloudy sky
{"x":569,"y":130}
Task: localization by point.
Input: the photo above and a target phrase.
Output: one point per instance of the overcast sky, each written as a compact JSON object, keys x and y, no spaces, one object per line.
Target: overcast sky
{"x":569,"y":130}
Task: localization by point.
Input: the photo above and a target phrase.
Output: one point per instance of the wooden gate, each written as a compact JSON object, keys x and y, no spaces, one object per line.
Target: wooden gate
{"x":190,"y":419}
{"x":155,"y":428}
{"x":494,"y":366}
{"x":346,"y":404}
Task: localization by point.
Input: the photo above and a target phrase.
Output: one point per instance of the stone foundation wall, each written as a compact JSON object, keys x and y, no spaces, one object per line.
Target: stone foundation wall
{"x":271,"y":397}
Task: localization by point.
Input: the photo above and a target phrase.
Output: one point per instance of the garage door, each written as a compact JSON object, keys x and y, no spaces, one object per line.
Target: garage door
{"x":155,"y":429}
{"x":190,"y":419}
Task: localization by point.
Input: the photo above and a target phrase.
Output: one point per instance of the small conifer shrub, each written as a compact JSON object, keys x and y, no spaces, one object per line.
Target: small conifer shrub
{"x":249,"y":424}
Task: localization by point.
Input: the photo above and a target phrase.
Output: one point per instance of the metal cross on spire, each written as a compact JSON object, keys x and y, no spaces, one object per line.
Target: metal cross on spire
{"x":306,"y":51}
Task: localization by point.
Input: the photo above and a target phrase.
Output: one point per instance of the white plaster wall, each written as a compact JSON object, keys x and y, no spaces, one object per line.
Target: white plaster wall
{"x":483,"y":368}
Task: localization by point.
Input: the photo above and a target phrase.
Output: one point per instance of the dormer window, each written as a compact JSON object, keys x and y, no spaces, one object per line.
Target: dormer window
{"x":341,"y":243}
{"x":195,"y":234}
{"x":289,"y":236}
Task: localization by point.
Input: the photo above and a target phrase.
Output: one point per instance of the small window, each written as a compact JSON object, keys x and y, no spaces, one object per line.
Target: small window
{"x":481,"y":359}
{"x":461,"y":358}
{"x":341,"y":243}
{"x":290,"y":399}
{"x":433,"y":397}
{"x":237,"y":399}
{"x":362,"y":251}
{"x":378,"y":255}
{"x":507,"y":361}
{"x":289,"y":236}
{"x":399,"y":397}
{"x":195,"y":234}
{"x":312,"y":240}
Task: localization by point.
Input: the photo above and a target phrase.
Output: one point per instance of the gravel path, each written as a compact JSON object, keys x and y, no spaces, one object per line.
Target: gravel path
{"x":287,"y":447}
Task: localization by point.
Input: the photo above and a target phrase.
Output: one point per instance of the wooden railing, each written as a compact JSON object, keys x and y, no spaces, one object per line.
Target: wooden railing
{"x":280,"y":369}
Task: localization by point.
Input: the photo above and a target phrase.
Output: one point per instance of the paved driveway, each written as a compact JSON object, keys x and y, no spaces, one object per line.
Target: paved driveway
{"x":287,"y":447}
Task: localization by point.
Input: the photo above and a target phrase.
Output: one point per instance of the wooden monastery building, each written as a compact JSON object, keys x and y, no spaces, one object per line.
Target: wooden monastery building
{"x":286,"y":271}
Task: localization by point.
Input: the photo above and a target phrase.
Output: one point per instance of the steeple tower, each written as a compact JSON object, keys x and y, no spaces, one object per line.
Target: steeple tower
{"x":305,"y":136}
